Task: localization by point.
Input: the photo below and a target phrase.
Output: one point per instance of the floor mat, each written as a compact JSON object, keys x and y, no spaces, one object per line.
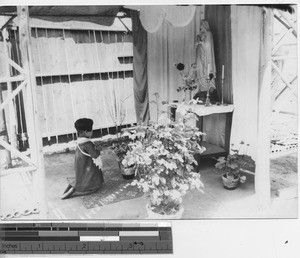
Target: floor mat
{"x":115,"y":189}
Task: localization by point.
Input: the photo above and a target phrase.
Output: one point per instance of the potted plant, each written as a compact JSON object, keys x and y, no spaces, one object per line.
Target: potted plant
{"x":232,"y":165}
{"x":163,"y":157}
{"x":120,"y":149}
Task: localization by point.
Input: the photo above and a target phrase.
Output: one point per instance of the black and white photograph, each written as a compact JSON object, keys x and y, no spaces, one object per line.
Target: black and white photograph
{"x":148,"y":112}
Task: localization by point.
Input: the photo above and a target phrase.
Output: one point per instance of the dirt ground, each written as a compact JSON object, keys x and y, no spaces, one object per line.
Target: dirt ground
{"x":216,"y":202}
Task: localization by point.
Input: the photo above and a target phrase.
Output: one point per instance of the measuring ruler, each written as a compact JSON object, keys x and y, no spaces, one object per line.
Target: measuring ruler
{"x":85,"y":238}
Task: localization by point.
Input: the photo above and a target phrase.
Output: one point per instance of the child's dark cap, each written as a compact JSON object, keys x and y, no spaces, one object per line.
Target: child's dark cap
{"x":84,"y":124}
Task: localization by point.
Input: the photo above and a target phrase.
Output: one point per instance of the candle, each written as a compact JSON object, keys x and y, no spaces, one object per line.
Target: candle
{"x":222,"y":72}
{"x":208,"y":70}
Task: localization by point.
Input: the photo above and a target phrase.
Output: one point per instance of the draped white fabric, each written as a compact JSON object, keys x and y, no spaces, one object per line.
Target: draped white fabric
{"x":167,"y":46}
{"x":153,"y":16}
{"x":246,"y":40}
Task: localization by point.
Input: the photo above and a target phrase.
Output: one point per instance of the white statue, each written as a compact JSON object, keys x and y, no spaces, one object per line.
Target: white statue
{"x":205,"y":59}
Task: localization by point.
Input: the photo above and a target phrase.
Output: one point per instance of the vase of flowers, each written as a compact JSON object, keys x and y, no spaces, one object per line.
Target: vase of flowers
{"x":189,"y":80}
{"x":163,"y":154}
{"x":232,"y":165}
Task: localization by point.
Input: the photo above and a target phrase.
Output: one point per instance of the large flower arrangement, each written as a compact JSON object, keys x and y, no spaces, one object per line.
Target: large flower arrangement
{"x":189,"y":77}
{"x":163,"y":155}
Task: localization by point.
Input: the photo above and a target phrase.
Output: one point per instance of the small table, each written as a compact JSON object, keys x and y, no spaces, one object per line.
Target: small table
{"x":202,"y":110}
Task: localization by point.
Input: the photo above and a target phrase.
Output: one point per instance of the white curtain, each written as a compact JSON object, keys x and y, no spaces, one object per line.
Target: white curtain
{"x":246,"y":39}
{"x":167,"y":46}
{"x":153,"y":16}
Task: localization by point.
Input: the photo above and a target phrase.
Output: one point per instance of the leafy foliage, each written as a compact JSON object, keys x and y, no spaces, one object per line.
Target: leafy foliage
{"x":234,"y":162}
{"x":163,"y":155}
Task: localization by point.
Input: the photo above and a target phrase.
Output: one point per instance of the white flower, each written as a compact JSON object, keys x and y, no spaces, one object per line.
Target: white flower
{"x":157,"y":143}
{"x":243,"y":179}
{"x":181,"y":109}
{"x":175,"y":195}
{"x":177,"y":156}
{"x":155,"y":179}
{"x":163,"y":180}
{"x":155,"y":194}
{"x":163,"y":119}
{"x":184,"y":187}
{"x":173,"y":183}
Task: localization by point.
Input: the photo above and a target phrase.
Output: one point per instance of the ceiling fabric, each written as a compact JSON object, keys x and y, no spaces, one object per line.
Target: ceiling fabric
{"x":153,"y":16}
{"x":102,"y":15}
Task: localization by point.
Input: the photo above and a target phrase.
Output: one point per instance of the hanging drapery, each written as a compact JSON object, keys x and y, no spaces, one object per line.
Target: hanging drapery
{"x":218,"y":18}
{"x":217,"y":126}
{"x":168,"y":46}
{"x":153,"y":16}
{"x":140,"y":68}
{"x":103,"y":15}
{"x":246,"y":46}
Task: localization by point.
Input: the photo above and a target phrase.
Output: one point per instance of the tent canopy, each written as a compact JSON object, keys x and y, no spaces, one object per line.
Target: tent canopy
{"x":102,"y":15}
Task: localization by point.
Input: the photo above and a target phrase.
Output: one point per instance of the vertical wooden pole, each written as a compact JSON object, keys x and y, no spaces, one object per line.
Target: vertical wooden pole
{"x":35,"y":139}
{"x":12,"y":107}
{"x":262,"y":173}
{"x":3,"y":132}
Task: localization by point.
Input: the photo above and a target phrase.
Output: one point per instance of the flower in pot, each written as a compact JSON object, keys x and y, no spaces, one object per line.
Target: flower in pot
{"x":163,"y":155}
{"x":120,"y":149}
{"x":233,"y":165}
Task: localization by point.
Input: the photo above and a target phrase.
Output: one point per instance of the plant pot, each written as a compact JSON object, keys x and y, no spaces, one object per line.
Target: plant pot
{"x":153,"y":215}
{"x":128,"y":177}
{"x":230,"y":183}
{"x":127,"y":173}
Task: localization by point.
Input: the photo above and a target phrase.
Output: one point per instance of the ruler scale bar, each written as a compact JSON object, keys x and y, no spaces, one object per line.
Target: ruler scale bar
{"x":85,"y":238}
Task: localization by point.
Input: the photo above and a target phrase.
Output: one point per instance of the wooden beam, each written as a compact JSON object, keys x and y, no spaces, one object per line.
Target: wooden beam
{"x":286,"y":87}
{"x":4,"y":134}
{"x":35,"y":139}
{"x":12,"y":78}
{"x":285,"y":24}
{"x":279,"y":106}
{"x":289,"y":22}
{"x":13,"y":95}
{"x":8,"y":172}
{"x":13,"y":64}
{"x":262,"y":171}
{"x":277,"y":45}
{"x":283,"y":79}
{"x":73,"y":25}
{"x":283,"y":57}
{"x":17,"y":152}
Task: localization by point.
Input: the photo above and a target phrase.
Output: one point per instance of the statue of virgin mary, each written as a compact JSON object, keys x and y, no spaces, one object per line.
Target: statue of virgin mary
{"x":205,"y":63}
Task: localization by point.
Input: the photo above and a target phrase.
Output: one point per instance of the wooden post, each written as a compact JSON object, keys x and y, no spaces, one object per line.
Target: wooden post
{"x":35,"y":139}
{"x":262,"y":173}
{"x":12,"y":106}
{"x":3,"y":133}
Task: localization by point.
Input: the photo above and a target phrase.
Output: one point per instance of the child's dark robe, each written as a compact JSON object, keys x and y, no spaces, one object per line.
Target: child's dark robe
{"x":89,"y":177}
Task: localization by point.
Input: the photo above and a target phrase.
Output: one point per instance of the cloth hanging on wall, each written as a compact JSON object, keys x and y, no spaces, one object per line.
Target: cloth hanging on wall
{"x":218,"y":17}
{"x":140,"y":77}
{"x":166,"y":47}
{"x":103,"y":15}
{"x":246,"y":45}
{"x":216,"y":126}
{"x":153,"y":16}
